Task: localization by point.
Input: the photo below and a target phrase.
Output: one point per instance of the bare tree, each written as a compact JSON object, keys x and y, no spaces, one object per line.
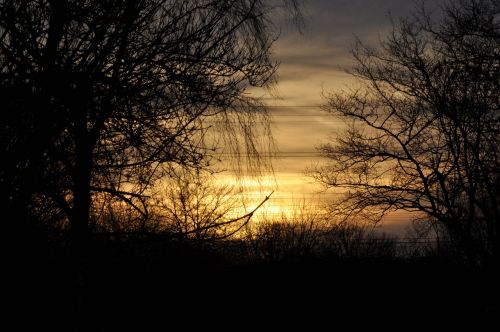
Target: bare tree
{"x":423,"y":129}
{"x":193,"y":206}
{"x":105,"y":97}
{"x":292,"y":235}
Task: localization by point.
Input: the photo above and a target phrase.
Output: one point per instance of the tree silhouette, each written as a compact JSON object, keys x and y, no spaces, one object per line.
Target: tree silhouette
{"x":423,"y":128}
{"x":105,"y":97}
{"x":193,"y":206}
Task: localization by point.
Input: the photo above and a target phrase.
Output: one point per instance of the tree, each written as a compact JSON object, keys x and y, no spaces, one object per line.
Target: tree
{"x":106,"y":97}
{"x":294,"y":234}
{"x":423,"y":129}
{"x":193,"y":206}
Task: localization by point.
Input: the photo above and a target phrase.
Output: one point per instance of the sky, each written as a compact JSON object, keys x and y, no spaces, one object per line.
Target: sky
{"x":314,"y":62}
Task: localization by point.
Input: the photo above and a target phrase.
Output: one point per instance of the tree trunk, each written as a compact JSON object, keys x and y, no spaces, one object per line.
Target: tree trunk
{"x":81,"y":205}
{"x":79,"y":219}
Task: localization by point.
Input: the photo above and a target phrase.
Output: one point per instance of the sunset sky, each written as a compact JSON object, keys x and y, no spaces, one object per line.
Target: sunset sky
{"x":313,"y":62}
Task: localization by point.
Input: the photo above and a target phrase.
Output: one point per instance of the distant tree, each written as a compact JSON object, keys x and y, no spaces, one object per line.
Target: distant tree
{"x":105,"y":97}
{"x":423,"y":130}
{"x":294,"y":234}
{"x":193,"y":206}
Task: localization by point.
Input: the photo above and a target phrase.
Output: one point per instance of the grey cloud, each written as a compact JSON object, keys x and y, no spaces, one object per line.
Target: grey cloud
{"x":331,"y":27}
{"x":318,"y":58}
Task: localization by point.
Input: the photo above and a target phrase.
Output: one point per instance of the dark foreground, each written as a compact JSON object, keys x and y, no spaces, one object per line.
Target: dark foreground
{"x":181,"y":289}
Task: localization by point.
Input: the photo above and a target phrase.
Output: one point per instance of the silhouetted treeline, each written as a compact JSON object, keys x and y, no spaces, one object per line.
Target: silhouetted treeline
{"x":275,"y":275}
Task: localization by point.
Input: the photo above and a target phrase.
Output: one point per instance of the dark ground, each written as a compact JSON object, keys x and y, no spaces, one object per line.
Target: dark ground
{"x":183,"y":289}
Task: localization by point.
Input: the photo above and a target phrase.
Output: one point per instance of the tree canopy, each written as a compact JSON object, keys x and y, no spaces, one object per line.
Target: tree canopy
{"x":104,"y":97}
{"x":424,"y":126}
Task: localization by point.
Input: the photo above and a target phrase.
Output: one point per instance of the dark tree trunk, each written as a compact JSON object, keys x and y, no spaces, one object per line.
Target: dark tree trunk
{"x":81,"y":204}
{"x":80,"y":215}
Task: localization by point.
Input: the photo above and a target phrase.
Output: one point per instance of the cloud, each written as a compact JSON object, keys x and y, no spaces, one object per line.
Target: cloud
{"x":318,"y":58}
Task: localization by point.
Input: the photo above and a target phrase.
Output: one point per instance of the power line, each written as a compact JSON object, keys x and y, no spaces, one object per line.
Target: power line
{"x":306,"y":120}
{"x":294,"y":106}
{"x":281,"y":156}
{"x":303,"y":114}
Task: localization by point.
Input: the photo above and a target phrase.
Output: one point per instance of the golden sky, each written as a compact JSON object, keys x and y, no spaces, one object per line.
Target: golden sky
{"x":313,"y":62}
